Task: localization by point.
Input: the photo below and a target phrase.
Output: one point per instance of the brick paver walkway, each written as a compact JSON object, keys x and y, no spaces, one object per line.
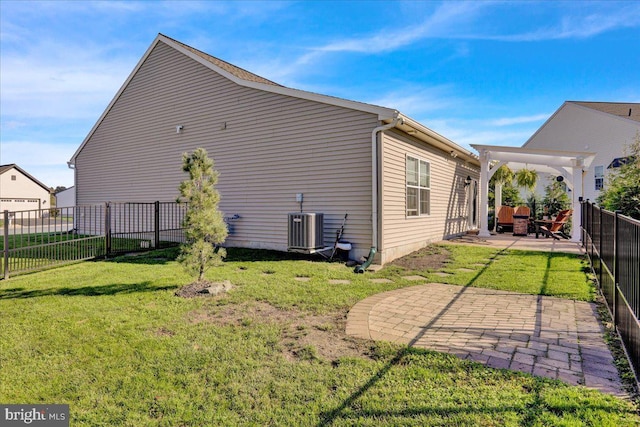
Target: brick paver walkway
{"x":544,"y":336}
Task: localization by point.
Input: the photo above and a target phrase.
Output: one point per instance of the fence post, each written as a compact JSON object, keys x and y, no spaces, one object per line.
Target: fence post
{"x":6,"y":244}
{"x":590,"y":221}
{"x":616,"y":266}
{"x":156,"y":224}
{"x":600,"y":239}
{"x":107,"y":228}
{"x":583,"y":211}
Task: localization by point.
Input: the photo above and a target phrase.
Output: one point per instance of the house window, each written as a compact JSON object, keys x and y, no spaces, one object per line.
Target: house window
{"x":599,"y":174}
{"x":13,"y":177}
{"x":418,"y":187}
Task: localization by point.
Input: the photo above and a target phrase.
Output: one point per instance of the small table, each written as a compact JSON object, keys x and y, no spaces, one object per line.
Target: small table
{"x":539,"y":222}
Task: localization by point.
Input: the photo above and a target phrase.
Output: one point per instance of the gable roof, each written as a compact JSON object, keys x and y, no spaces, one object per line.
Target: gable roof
{"x":248,"y":79}
{"x":233,"y":69}
{"x":7,"y":168}
{"x":624,"y":110}
{"x":627,"y":110}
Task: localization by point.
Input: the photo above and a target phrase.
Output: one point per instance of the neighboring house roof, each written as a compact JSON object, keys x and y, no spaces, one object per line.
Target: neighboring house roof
{"x":628,"y":110}
{"x":248,"y":79}
{"x":66,"y":189}
{"x":624,"y":110}
{"x":6,"y":168}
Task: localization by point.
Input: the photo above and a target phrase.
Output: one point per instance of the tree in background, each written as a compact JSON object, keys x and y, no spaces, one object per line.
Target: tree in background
{"x":510,"y":195}
{"x":622,"y":192}
{"x":203,"y":223}
{"x":555,"y":198}
{"x":53,"y":192}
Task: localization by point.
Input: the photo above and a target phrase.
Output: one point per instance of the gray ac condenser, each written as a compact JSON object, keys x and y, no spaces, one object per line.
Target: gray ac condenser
{"x":306,"y":231}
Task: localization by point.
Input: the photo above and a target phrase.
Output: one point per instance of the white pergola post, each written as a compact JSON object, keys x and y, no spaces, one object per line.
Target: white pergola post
{"x":576,"y":182}
{"x":484,"y":195}
{"x":542,"y":160}
{"x":498,"y":202}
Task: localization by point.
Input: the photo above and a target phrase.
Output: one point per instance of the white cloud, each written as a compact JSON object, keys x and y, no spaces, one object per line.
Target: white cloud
{"x":576,"y":24}
{"x":472,"y":131}
{"x":416,"y":101}
{"x":444,"y":20}
{"x":53,"y":80}
{"x":45,"y":161}
{"x":456,"y":21}
{"x":508,"y":121}
{"x":36,"y":153}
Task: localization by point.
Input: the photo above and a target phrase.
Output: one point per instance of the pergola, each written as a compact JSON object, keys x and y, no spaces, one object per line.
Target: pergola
{"x":569,"y":164}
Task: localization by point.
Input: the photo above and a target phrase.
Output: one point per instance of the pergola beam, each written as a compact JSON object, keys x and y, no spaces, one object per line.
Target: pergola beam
{"x":571,"y":163}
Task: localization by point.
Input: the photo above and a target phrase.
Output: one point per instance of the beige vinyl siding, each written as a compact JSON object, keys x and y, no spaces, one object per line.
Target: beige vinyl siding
{"x":22,"y":193}
{"x":448,"y":216}
{"x":267,"y":147}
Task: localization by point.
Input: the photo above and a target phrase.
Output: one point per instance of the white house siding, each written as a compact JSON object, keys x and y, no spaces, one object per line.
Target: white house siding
{"x":267,"y":147}
{"x":22,"y":193}
{"x":578,"y":128}
{"x":66,"y":198}
{"x":449,"y":213}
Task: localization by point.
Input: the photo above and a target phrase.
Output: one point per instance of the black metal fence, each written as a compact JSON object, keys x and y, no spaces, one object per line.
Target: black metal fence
{"x":41,"y":238}
{"x":612,"y":242}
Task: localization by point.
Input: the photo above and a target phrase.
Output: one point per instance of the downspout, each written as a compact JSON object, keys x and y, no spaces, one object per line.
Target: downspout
{"x":374,"y":191}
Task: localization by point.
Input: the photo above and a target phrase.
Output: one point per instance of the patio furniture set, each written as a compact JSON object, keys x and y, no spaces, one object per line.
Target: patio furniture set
{"x":519,"y":220}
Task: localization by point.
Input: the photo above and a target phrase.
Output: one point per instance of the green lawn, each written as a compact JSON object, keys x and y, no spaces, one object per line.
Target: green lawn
{"x":110,"y":339}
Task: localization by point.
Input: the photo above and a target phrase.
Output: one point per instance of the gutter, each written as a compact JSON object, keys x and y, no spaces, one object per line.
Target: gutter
{"x":374,"y":178}
{"x":467,"y":155}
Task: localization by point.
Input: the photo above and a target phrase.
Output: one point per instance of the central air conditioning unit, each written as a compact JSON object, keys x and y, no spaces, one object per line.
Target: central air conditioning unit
{"x":306,"y":232}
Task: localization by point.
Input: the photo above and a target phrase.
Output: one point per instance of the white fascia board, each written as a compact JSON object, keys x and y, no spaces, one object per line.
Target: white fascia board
{"x":72,"y":161}
{"x":28,"y":176}
{"x":444,"y":142}
{"x":382,"y":112}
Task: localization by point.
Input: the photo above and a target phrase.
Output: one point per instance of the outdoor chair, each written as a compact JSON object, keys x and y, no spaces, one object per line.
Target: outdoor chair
{"x":504,"y":217}
{"x":556,"y":227}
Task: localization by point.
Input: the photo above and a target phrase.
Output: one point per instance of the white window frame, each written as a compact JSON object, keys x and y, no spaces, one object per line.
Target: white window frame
{"x":420,"y":187}
{"x":598,"y":173}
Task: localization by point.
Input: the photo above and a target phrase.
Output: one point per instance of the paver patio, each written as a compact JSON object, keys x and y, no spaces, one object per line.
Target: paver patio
{"x":544,"y":336}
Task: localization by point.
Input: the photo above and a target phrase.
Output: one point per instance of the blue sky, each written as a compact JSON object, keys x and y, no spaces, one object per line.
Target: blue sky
{"x":476,"y":72}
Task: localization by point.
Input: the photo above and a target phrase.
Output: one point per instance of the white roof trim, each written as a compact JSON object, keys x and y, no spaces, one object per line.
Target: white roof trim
{"x":113,"y":101}
{"x":531,"y":156}
{"x":437,"y":140}
{"x":544,"y":125}
{"x":26,"y":174}
{"x":382,"y":112}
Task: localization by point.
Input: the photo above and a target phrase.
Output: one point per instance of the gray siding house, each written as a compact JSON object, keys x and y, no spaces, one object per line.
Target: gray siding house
{"x":402,"y":184}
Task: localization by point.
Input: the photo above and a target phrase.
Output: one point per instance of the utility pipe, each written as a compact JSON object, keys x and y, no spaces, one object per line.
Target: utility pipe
{"x":374,"y":178}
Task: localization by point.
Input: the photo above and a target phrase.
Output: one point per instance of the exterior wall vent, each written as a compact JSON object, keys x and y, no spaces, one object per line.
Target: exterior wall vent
{"x":306,"y":231}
